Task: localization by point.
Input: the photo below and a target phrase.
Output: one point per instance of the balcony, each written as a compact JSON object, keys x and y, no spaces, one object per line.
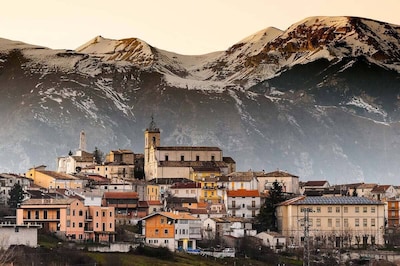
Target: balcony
{"x":88,"y":218}
{"x":255,"y":207}
{"x":88,"y":229}
{"x":209,"y":188}
{"x":42,"y":219}
{"x":233,"y":207}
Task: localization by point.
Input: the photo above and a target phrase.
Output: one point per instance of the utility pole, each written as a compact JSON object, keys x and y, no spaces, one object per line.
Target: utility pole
{"x":306,"y":252}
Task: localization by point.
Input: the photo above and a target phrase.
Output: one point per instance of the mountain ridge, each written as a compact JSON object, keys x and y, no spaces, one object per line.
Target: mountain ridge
{"x":308,"y":100}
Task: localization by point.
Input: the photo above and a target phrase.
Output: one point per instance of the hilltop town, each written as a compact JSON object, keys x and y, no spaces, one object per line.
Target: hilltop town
{"x":182,"y":196}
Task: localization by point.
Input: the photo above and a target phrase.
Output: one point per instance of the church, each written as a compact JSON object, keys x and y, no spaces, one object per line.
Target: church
{"x":192,"y":162}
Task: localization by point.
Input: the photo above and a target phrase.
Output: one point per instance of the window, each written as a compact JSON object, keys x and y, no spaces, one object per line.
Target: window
{"x":45,"y":214}
{"x":372,"y":222}
{"x":97,"y":225}
{"x":357,"y":209}
{"x":156,"y":231}
{"x":357,"y":222}
{"x":16,"y":229}
{"x":365,"y":223}
{"x":111,"y":214}
{"x":318,"y":209}
{"x":80,"y":225}
{"x":346,"y":222}
{"x":329,"y":222}
{"x":233,"y":204}
{"x":68,"y":211}
{"x":162,"y":220}
{"x":365,"y":209}
{"x":166,"y":158}
{"x":166,"y":241}
{"x":318,"y":222}
{"x":111,"y":225}
{"x":372,"y":209}
{"x":182,"y":158}
{"x":329,"y":209}
{"x":346,"y":209}
{"x":243,"y":205}
{"x":36,"y":214}
{"x":104,"y":214}
{"x":166,"y":231}
{"x":68,"y":223}
{"x":197,"y":158}
{"x":73,"y":224}
{"x":212,"y":157}
{"x":337,"y":209}
{"x":337,"y":222}
{"x":80,"y":213}
{"x":253,"y":203}
{"x":73,"y":212}
{"x":97,"y":214}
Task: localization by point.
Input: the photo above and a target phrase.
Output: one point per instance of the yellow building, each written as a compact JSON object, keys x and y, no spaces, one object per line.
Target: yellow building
{"x":209,"y":189}
{"x":332,"y":222}
{"x":52,"y":179}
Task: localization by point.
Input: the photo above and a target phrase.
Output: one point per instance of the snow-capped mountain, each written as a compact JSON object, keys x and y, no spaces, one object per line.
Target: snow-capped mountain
{"x":320,"y":99}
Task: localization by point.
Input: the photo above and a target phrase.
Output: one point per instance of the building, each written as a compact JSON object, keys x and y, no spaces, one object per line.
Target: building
{"x":273,"y":240}
{"x":124,"y":203}
{"x":179,"y":161}
{"x":383,"y":192}
{"x":333,"y":222}
{"x":52,"y":179}
{"x":393,"y":213}
{"x":288,"y":182}
{"x":174,"y":230}
{"x":69,"y":219}
{"x":314,"y":186}
{"x":22,"y":234}
{"x":243,"y":203}
{"x":7,"y":182}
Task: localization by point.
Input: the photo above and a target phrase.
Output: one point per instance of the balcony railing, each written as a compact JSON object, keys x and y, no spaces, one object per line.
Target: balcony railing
{"x":234,"y":207}
{"x":251,"y":207}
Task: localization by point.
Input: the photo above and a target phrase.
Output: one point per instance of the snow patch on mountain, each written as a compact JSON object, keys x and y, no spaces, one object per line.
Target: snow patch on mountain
{"x":359,"y":102}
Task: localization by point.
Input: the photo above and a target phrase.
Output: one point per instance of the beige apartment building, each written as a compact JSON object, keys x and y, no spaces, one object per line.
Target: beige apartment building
{"x":332,"y":222}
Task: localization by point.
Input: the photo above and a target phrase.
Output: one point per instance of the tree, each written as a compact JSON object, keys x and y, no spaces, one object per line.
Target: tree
{"x":98,"y":155}
{"x":16,"y":196}
{"x":266,"y":219}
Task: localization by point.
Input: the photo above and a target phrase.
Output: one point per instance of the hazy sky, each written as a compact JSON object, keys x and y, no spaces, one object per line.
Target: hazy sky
{"x":182,"y":26}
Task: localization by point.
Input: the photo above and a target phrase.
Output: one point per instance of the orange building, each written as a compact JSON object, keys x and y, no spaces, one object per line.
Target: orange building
{"x":393,"y":211}
{"x":172,"y":230}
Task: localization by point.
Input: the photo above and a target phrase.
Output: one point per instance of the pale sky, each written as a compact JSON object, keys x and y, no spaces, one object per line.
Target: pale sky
{"x":182,"y":26}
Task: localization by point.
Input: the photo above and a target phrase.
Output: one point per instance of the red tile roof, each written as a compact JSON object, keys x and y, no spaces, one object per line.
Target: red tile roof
{"x":243,"y":193}
{"x":120,"y":195}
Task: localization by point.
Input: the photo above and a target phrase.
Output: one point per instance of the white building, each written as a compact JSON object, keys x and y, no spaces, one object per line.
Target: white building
{"x":243,"y":203}
{"x":24,"y":234}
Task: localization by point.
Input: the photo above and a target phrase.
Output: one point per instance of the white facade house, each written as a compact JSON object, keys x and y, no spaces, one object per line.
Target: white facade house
{"x":273,"y":240}
{"x":22,"y":234}
{"x":243,"y":203}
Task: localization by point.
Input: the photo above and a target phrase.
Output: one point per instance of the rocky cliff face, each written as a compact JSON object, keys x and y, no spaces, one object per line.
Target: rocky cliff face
{"x":319,"y":100}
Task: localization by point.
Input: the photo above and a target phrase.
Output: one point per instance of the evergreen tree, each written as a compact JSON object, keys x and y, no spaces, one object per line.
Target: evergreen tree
{"x":266,"y":219}
{"x":98,"y":155}
{"x":16,"y":196}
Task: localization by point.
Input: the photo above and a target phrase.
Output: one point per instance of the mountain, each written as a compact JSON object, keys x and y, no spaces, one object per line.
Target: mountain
{"x":320,"y":99}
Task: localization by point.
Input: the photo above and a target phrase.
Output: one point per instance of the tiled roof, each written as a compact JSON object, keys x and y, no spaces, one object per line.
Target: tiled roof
{"x":194,"y":164}
{"x":331,"y":201}
{"x":181,"y":200}
{"x":175,"y":216}
{"x":380,"y":188}
{"x":316,"y":183}
{"x":57,"y":175}
{"x":186,"y":185}
{"x":367,"y":186}
{"x":65,"y":201}
{"x":121,"y":195}
{"x":154,"y":202}
{"x":279,"y":174}
{"x":228,"y":160}
{"x":168,"y":180}
{"x":188,"y":148}
{"x":243,"y":193}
